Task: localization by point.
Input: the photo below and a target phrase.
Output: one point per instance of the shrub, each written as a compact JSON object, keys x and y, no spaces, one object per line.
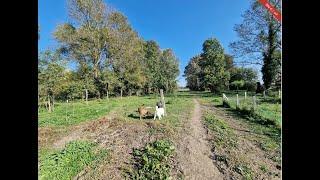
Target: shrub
{"x":152,"y":162}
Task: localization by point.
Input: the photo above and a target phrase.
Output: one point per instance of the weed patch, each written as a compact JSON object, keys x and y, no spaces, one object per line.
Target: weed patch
{"x":152,"y":162}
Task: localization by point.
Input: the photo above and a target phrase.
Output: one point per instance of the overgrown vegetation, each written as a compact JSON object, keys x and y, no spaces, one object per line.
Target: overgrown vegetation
{"x":67,"y":163}
{"x":153,"y":161}
{"x":224,"y":135}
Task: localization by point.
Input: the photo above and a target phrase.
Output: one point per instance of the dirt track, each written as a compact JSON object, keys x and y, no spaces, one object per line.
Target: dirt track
{"x":193,"y":150}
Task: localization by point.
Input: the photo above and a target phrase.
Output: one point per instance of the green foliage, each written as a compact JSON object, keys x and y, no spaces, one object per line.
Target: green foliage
{"x":153,"y":161}
{"x":260,"y":41}
{"x":270,"y":68}
{"x":110,"y":54}
{"x":193,"y":74}
{"x":162,"y":67}
{"x":67,"y":163}
{"x":215,"y":76}
{"x":247,"y":75}
{"x":237,"y":85}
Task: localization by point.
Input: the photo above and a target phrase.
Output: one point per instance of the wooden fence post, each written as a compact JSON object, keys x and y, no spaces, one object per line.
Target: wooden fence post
{"x":162,"y":100}
{"x":279,"y":93}
{"x":264,"y":94}
{"x":254,"y":103}
{"x":237,"y":105}
{"x":72,"y":107}
{"x":87,"y":96}
{"x":67,"y":110}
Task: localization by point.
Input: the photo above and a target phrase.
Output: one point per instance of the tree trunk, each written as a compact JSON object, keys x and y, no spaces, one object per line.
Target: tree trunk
{"x":121,"y":93}
{"x":49,"y":104}
{"x":52,"y":102}
{"x":107,"y":95}
{"x":86,"y":96}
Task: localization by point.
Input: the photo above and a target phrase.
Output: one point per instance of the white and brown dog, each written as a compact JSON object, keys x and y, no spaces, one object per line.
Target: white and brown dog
{"x":159,"y":111}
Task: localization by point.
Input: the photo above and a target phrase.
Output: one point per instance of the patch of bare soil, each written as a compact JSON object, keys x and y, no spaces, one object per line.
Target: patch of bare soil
{"x":247,"y":151}
{"x":193,"y":150}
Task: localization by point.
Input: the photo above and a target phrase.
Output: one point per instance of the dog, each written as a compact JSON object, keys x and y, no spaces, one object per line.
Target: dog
{"x":143,"y":111}
{"x":159,"y":111}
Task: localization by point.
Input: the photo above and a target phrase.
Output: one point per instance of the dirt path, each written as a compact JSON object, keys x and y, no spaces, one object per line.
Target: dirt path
{"x":249,"y":150}
{"x":193,"y":150}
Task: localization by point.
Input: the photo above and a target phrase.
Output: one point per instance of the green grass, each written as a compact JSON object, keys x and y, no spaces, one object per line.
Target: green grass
{"x":67,"y":163}
{"x":66,"y":114}
{"x":224,"y":135}
{"x":152,"y":161}
{"x":73,"y":113}
{"x":268,"y":109}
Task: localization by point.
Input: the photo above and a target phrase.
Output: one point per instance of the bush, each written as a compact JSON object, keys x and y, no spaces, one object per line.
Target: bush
{"x":236,"y":85}
{"x":152,"y":162}
{"x":250,"y":86}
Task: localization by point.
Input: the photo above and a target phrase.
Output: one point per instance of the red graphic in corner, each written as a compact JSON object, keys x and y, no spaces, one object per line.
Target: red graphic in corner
{"x":272,"y":9}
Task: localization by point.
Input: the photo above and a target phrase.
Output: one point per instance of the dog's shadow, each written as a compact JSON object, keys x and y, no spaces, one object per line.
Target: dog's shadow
{"x":134,"y":116}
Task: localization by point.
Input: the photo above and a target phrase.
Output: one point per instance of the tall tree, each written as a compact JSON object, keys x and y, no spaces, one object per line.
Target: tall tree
{"x":216,"y":78}
{"x":126,"y":53}
{"x":85,"y":39}
{"x":259,"y":39}
{"x":51,"y":77}
{"x":193,"y":73}
{"x":152,"y":64}
{"x":169,"y":70}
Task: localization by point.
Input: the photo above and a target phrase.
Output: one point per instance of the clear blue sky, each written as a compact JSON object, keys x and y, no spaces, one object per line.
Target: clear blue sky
{"x":182,"y":25}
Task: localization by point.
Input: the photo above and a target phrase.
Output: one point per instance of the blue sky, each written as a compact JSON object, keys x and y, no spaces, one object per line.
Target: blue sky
{"x":182,"y":25}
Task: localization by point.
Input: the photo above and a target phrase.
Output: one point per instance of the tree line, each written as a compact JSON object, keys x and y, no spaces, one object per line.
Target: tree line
{"x":110,"y":58}
{"x":259,"y":43}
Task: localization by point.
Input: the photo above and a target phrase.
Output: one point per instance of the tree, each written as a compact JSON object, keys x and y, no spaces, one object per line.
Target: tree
{"x":259,"y":39}
{"x":237,"y":84}
{"x":51,"y":77}
{"x":126,"y":53}
{"x":216,"y":78}
{"x":152,"y":64}
{"x":85,"y":40}
{"x":169,"y":70}
{"x":247,"y":75}
{"x":229,"y":62}
{"x":192,"y":73}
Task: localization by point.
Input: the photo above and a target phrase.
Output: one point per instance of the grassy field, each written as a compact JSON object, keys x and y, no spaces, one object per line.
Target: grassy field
{"x":79,"y":155}
{"x":67,"y":115}
{"x":268,"y":107}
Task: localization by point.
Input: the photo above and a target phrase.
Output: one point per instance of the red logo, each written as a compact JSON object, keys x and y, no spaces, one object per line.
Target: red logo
{"x":272,"y":9}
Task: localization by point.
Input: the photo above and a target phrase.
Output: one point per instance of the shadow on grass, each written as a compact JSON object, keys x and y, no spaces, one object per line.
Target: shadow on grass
{"x":272,"y":130}
{"x":134,"y":116}
{"x":271,"y":100}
